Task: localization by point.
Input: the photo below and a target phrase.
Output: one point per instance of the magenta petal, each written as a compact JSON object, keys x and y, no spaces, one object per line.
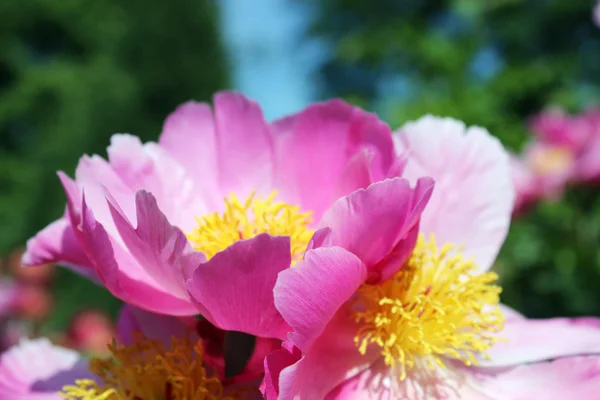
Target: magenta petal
{"x":356,"y":174}
{"x":121,"y":273}
{"x":234,"y":289}
{"x":189,"y":135}
{"x":274,"y":364}
{"x":332,"y":359}
{"x":162,"y":249}
{"x":536,"y":340}
{"x":153,"y":326}
{"x":310,"y":294}
{"x":372,"y":223}
{"x":314,"y":147}
{"x":244,"y":145}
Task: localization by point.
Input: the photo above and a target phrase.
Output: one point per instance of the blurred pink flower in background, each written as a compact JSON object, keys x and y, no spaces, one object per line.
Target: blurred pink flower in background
{"x":564,"y":150}
{"x":568,"y":144}
{"x":8,"y":297}
{"x":596,"y":14}
{"x":91,"y":331}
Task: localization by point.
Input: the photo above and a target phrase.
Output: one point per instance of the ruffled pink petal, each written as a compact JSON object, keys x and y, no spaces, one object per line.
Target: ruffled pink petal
{"x":474,"y":194}
{"x":57,"y":244}
{"x":244,"y":145}
{"x":162,"y":249}
{"x":356,"y":174}
{"x":374,"y":224}
{"x":37,"y":370}
{"x":133,"y":320}
{"x":189,"y":134}
{"x":510,"y":313}
{"x":311,"y":293}
{"x":331,"y":360}
{"x":537,"y":340}
{"x":234,"y":289}
{"x":314,"y":147}
{"x":121,"y":273}
{"x":149,"y":167}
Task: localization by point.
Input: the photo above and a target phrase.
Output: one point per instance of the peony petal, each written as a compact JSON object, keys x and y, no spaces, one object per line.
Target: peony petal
{"x":474,"y":194}
{"x":538,"y":340}
{"x":314,"y":147}
{"x":149,"y":167}
{"x":244,"y":145}
{"x":568,"y":378}
{"x":189,"y":134}
{"x":122,"y":275}
{"x":161,"y":248}
{"x":356,"y":174}
{"x":57,"y":243}
{"x":331,"y":360}
{"x":311,"y":293}
{"x":37,"y":370}
{"x":153,"y":326}
{"x":234,"y":289}
{"x":375,"y":222}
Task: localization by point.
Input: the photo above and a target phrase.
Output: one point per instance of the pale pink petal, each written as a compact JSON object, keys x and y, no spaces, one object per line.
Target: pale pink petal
{"x":234,"y":289}
{"x":149,"y":167}
{"x":510,"y":313}
{"x":57,"y":244}
{"x":314,"y":147}
{"x":567,"y":378}
{"x":96,"y":178}
{"x":37,"y":370}
{"x":535,"y":340}
{"x":189,"y":134}
{"x":311,"y":293}
{"x":473,"y":199}
{"x":332,"y":359}
{"x":374,"y":224}
{"x":244,"y":145}
{"x":162,"y":249}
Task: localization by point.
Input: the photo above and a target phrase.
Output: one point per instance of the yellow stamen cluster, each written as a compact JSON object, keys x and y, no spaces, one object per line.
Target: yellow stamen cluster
{"x":217,"y":231}
{"x":436,"y":306}
{"x":147,"y":370}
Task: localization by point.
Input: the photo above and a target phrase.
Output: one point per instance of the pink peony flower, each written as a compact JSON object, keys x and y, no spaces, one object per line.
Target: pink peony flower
{"x":37,"y":370}
{"x":158,"y":356}
{"x":596,"y":14}
{"x":432,"y":326}
{"x":203,"y":221}
{"x":566,"y":147}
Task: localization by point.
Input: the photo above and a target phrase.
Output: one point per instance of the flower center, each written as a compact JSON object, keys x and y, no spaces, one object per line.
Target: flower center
{"x":551,"y":160}
{"x":436,"y":306}
{"x":215,"y":232}
{"x":147,"y":370}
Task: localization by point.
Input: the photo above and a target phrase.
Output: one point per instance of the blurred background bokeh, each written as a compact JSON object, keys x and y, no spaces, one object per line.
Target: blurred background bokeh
{"x":73,"y":72}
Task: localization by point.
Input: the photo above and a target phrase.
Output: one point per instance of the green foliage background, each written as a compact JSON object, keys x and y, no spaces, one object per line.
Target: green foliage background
{"x":72,"y":73}
{"x":492,"y":63}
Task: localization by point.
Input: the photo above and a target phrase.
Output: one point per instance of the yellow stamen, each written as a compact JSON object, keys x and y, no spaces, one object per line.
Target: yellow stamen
{"x":146,"y":370}
{"x":215,"y":232}
{"x":436,"y":306}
